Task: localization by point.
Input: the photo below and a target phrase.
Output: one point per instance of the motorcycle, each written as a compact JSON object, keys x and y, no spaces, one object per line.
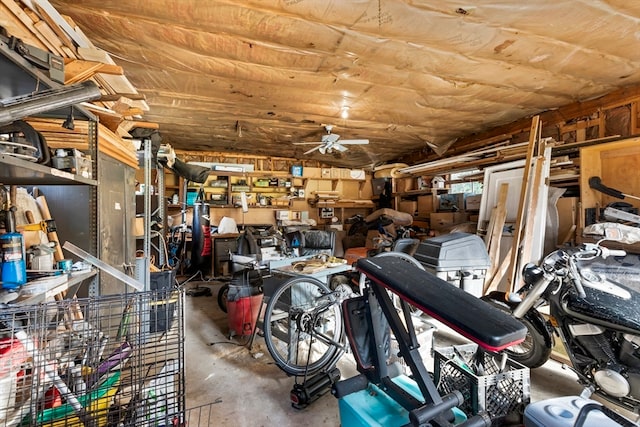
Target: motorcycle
{"x":596,"y":318}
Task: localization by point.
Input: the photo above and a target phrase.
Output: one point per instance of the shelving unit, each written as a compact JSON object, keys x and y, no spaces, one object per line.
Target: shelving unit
{"x":223,"y":189}
{"x":280,"y":190}
{"x":72,"y":198}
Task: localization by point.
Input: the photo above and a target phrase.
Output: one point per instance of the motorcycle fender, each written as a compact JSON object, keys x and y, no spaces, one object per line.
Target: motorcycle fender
{"x":533,"y":316}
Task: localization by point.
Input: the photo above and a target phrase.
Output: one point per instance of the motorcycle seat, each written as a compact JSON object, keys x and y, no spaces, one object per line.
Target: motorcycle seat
{"x":487,"y":326}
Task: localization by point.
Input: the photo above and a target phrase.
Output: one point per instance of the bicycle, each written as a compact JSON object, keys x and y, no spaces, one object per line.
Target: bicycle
{"x":303,"y":324}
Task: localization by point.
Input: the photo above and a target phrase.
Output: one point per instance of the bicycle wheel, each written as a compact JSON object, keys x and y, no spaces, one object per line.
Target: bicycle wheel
{"x":303,"y":327}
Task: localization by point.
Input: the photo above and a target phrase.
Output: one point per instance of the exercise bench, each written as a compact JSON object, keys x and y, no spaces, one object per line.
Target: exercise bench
{"x":415,"y":401}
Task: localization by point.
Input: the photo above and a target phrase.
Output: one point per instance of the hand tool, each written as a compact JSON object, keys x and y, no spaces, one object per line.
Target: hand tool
{"x":596,"y":183}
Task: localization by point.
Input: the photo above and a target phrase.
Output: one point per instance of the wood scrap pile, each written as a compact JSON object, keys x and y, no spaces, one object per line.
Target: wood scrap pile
{"x":529,"y":225}
{"x":119,"y":110}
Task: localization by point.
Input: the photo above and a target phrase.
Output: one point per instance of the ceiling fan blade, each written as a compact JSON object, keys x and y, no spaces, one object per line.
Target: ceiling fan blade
{"x":318,"y":147}
{"x":354,"y":141}
{"x":339,"y":147}
{"x":307,"y":143}
{"x":330,"y":138}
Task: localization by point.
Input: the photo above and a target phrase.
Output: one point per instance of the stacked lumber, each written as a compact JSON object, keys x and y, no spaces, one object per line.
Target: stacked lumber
{"x":59,"y":137}
{"x":37,"y":23}
{"x":117,"y":147}
{"x":564,"y":167}
{"x":109,"y":143}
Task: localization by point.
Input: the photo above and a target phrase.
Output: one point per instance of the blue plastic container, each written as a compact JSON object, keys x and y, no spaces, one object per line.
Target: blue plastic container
{"x":372,"y":407}
{"x":14,"y":268}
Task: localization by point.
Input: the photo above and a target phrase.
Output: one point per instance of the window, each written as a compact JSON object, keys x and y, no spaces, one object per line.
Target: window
{"x":469,"y":182}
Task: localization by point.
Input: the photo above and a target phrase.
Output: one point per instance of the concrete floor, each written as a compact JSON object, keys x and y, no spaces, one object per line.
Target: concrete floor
{"x":230,"y":385}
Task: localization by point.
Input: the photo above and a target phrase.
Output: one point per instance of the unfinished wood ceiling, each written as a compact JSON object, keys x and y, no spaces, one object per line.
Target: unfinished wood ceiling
{"x":256,"y":76}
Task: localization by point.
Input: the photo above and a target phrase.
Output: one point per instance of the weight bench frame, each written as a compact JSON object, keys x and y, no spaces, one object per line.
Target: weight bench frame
{"x":368,"y":317}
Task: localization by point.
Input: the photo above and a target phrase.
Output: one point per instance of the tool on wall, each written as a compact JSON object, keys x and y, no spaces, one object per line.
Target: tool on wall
{"x":596,"y":183}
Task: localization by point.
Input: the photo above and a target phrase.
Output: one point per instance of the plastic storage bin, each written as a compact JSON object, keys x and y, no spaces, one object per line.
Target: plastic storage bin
{"x":500,"y":394}
{"x":563,"y":412}
{"x":372,"y":407}
{"x":458,"y":258}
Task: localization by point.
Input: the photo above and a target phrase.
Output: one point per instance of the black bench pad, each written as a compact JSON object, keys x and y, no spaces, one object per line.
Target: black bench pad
{"x":487,"y":326}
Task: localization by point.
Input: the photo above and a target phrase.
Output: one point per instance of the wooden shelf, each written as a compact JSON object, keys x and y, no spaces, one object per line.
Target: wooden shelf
{"x":426,"y":192}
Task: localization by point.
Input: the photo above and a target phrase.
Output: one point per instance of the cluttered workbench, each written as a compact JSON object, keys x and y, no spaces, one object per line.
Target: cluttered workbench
{"x":317,"y":268}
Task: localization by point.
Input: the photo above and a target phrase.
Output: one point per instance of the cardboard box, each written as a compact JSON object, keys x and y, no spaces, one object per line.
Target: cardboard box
{"x":282,"y":215}
{"x":138,"y":227}
{"x":409,"y":206}
{"x":425,"y":205}
{"x":405,"y":184}
{"x":441,"y":220}
{"x":325,"y":173}
{"x":336,"y":173}
{"x":312,"y":172}
{"x":472,"y":202}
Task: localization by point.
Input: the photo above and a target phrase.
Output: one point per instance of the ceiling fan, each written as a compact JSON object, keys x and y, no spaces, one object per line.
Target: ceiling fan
{"x":331,"y":142}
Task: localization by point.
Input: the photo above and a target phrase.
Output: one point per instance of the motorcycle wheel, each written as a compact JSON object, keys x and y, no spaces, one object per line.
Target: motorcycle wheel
{"x":222,"y":297}
{"x":533,"y":352}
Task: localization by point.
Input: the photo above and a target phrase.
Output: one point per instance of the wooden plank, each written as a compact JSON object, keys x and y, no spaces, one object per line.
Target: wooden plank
{"x":116,"y":97}
{"x":48,"y":11}
{"x":80,"y":70}
{"x":55,"y":25}
{"x":499,"y":217}
{"x":52,"y":42}
{"x":107,"y":117}
{"x":524,"y":252}
{"x":569,"y":237}
{"x":22,"y":25}
{"x":132,"y":124}
{"x":499,"y":274}
{"x":533,"y":139}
